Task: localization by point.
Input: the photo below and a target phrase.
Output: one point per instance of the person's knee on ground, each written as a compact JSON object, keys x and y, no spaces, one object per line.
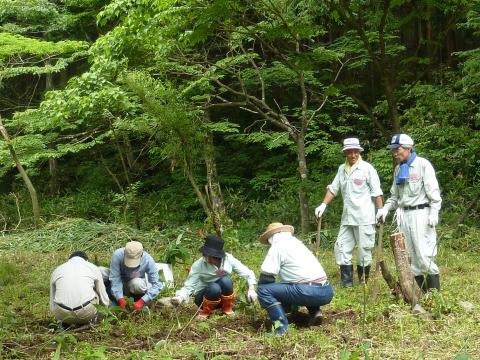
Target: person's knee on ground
{"x":137,"y":286}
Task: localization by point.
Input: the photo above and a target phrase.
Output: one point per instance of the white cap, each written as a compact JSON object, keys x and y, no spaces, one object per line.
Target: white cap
{"x":351,"y":143}
{"x":132,"y":254}
{"x":401,"y":140}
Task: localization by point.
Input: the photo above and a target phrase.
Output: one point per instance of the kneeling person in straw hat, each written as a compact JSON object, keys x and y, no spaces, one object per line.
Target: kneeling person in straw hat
{"x":303,"y":282}
{"x":359,"y":184}
{"x":209,"y":280}
{"x":75,"y":288}
{"x":133,"y":272}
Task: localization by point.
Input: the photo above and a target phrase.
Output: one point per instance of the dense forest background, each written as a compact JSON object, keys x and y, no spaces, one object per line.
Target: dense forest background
{"x":230,"y":113}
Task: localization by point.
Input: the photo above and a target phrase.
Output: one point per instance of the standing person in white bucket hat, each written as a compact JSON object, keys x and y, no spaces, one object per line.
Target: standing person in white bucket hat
{"x":359,"y":184}
{"x":415,"y":195}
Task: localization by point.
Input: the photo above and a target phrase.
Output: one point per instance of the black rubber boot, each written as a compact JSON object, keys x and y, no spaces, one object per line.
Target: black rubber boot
{"x":363,"y":274}
{"x":316,"y":316}
{"x":346,"y":273}
{"x":433,"y":281}
{"x":422,"y":284}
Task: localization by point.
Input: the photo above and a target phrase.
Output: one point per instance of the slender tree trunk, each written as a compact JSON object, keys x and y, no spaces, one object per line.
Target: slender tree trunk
{"x":392,"y":103}
{"x":213,"y":190}
{"x":23,"y":173}
{"x":302,"y":189}
{"x":53,"y":170}
{"x":52,"y":162}
{"x":196,"y":188}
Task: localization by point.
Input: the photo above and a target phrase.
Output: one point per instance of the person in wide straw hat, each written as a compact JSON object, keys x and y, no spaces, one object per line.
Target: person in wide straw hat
{"x":209,"y":279}
{"x":303,"y":282}
{"x":358,"y":183}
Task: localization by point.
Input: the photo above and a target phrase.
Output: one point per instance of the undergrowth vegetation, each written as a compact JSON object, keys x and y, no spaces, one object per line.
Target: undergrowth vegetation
{"x":354,"y":327}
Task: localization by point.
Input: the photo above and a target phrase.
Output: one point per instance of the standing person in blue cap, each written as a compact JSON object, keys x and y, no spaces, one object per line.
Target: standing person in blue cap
{"x":415,"y":195}
{"x":359,"y":184}
{"x":210,"y":282}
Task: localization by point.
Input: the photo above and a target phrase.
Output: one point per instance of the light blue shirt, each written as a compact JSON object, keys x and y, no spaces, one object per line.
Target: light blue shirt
{"x":202,"y":273}
{"x":119,"y":274}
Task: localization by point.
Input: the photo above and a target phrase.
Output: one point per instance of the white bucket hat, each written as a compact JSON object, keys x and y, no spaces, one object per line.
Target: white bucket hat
{"x":132,"y":254}
{"x":401,"y":140}
{"x":351,"y":143}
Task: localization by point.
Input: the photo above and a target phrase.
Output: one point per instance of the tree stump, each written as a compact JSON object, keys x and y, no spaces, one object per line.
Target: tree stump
{"x":410,"y":291}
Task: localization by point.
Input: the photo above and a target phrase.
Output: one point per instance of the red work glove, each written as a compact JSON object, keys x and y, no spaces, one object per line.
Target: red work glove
{"x":138,"y":304}
{"x":122,"y":303}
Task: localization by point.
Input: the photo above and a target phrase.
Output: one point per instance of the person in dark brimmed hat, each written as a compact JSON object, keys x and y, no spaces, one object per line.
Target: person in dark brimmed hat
{"x":358,"y":183}
{"x":303,"y":282}
{"x":209,"y":280}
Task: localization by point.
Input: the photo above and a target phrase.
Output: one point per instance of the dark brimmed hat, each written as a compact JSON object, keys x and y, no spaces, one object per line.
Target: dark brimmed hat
{"x":213,"y":247}
{"x":274,"y":228}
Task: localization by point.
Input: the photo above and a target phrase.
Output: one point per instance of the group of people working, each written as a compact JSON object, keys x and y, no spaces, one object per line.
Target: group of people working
{"x":78,"y":285}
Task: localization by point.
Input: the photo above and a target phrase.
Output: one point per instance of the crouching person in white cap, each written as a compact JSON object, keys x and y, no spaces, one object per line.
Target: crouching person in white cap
{"x":415,"y":195}
{"x":303,"y":282}
{"x":210,"y":282}
{"x":75,"y":288}
{"x":133,"y":272}
{"x":359,"y":184}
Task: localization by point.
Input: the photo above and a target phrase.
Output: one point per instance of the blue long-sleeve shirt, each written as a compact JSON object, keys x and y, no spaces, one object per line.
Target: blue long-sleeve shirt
{"x":119,"y":273}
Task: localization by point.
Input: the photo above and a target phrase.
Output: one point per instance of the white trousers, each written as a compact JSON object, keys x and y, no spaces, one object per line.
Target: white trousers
{"x":349,"y":235}
{"x":421,"y":240}
{"x":81,"y":316}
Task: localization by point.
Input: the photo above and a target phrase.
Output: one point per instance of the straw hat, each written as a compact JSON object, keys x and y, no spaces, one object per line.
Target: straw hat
{"x":274,"y":228}
{"x":132,"y":254}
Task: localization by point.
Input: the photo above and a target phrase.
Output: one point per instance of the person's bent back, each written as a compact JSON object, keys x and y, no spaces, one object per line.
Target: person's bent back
{"x":75,"y":288}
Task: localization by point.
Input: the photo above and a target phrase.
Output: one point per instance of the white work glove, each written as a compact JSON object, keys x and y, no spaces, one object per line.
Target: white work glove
{"x":320,"y":210}
{"x":433,"y":218}
{"x":176,"y":300}
{"x":252,"y":295}
{"x":382,"y":214}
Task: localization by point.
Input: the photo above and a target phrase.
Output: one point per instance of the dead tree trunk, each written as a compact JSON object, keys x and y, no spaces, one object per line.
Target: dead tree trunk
{"x":410,"y":291}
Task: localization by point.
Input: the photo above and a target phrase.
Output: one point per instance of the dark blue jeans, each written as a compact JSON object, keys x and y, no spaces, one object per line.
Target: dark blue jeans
{"x":223,"y":286}
{"x":311,"y":296}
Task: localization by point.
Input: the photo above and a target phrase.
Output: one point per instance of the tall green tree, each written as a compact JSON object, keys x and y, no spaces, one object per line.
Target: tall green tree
{"x":269,"y":59}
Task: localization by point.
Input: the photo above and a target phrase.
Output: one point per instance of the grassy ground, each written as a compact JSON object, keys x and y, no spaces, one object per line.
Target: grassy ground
{"x":354,"y":326}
